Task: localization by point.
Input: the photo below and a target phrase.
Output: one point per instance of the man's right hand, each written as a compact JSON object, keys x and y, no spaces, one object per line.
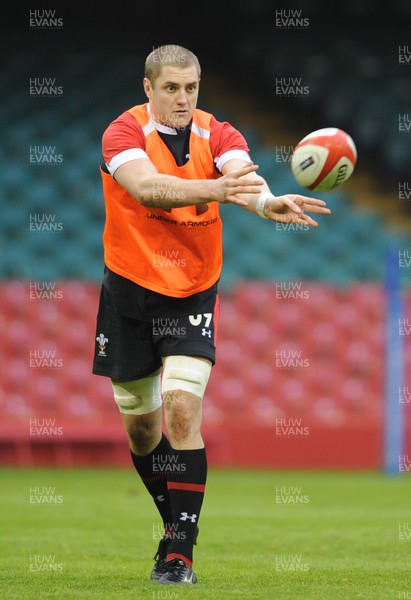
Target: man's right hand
{"x":226,"y":189}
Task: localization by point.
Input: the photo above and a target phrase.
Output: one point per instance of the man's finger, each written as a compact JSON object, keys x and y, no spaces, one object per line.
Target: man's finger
{"x":242,"y":189}
{"x":307,"y":200}
{"x":317,"y":209}
{"x":288,"y":201}
{"x":247,"y":182}
{"x":244,"y":170}
{"x":311,"y":204}
{"x":235,"y":200}
{"x":304,"y":203}
{"x":307,"y":219}
{"x":294,"y":219}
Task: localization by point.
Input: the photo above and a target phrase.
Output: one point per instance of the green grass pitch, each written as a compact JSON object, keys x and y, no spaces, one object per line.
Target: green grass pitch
{"x":91,"y":534}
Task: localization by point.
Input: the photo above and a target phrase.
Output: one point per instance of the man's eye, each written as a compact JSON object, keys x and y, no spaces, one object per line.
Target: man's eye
{"x":171,"y":88}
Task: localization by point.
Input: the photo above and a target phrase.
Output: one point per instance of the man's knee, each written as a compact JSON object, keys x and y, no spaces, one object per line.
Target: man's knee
{"x":139,"y":402}
{"x":185,"y":374}
{"x":183,"y":385}
{"x":183,"y":413}
{"x":140,"y":396}
{"x":144,"y":432}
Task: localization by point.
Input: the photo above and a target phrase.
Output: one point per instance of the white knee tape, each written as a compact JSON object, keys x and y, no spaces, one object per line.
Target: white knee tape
{"x":140,"y":396}
{"x":186,"y":373}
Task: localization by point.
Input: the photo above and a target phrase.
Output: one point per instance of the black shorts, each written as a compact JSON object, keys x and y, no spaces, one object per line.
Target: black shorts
{"x":136,"y":327}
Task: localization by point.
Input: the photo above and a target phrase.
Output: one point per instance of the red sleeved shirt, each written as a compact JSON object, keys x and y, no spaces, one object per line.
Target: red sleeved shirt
{"x":124,"y":140}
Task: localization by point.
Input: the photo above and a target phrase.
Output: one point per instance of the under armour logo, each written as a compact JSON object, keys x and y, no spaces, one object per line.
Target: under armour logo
{"x":205,"y":332}
{"x":160,"y":498}
{"x":185,"y":516}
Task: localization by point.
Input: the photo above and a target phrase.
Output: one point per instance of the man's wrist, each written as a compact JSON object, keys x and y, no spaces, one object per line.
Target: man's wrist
{"x":261,"y":202}
{"x":205,"y":191}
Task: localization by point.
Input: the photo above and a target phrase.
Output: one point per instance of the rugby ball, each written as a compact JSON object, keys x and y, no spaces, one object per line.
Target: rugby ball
{"x":324,"y":159}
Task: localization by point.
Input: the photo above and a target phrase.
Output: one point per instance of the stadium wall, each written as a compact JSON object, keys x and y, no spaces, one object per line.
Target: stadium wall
{"x":324,"y":412}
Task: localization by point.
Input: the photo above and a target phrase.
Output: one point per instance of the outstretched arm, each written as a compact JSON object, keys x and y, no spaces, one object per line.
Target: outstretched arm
{"x":142,"y":180}
{"x":289,"y":208}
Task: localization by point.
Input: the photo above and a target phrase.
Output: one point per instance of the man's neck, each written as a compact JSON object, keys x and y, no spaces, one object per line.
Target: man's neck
{"x":167,"y":129}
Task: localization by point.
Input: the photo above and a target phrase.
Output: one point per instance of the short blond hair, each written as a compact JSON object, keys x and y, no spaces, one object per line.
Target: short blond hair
{"x":170,"y":54}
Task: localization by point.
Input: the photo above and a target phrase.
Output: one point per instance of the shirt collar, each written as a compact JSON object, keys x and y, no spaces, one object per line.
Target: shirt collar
{"x":160,"y":127}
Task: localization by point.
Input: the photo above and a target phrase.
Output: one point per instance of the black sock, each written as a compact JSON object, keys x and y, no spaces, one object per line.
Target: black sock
{"x":153,"y":473}
{"x":186,"y":486}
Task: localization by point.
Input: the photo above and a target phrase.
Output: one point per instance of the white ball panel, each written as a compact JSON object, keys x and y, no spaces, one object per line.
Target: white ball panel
{"x":338,"y":174}
{"x":307,"y":163}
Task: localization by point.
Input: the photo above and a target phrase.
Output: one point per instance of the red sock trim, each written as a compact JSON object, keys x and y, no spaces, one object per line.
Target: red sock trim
{"x":190,"y":487}
{"x":188,"y":562}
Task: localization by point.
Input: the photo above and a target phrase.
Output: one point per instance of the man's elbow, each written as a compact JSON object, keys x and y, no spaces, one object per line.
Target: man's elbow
{"x":144,"y":197}
{"x":141,"y":191}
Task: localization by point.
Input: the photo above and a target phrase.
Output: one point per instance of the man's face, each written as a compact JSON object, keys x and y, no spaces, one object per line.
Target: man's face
{"x":173,"y":96}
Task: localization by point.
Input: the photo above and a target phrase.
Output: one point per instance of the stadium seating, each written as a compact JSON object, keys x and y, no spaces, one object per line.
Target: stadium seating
{"x":318,"y":359}
{"x":302,"y":329}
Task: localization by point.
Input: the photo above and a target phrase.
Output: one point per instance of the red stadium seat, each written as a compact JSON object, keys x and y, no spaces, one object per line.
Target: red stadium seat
{"x":80,"y":300}
{"x":256,"y":338}
{"x":15,"y":299}
{"x":16,"y":374}
{"x":267,"y":410}
{"x":260,"y":378}
{"x":361,"y":360}
{"x":255,"y":299}
{"x":326,"y":411}
{"x":347,"y":318}
{"x":319,"y":359}
{"x":321,"y":302}
{"x":78,"y":340}
{"x":232,"y":397}
{"x":324,"y":339}
{"x":289,"y":320}
{"x":370,"y":299}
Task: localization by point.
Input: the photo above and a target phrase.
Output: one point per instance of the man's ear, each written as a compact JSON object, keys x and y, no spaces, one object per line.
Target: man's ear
{"x":148,"y":88}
